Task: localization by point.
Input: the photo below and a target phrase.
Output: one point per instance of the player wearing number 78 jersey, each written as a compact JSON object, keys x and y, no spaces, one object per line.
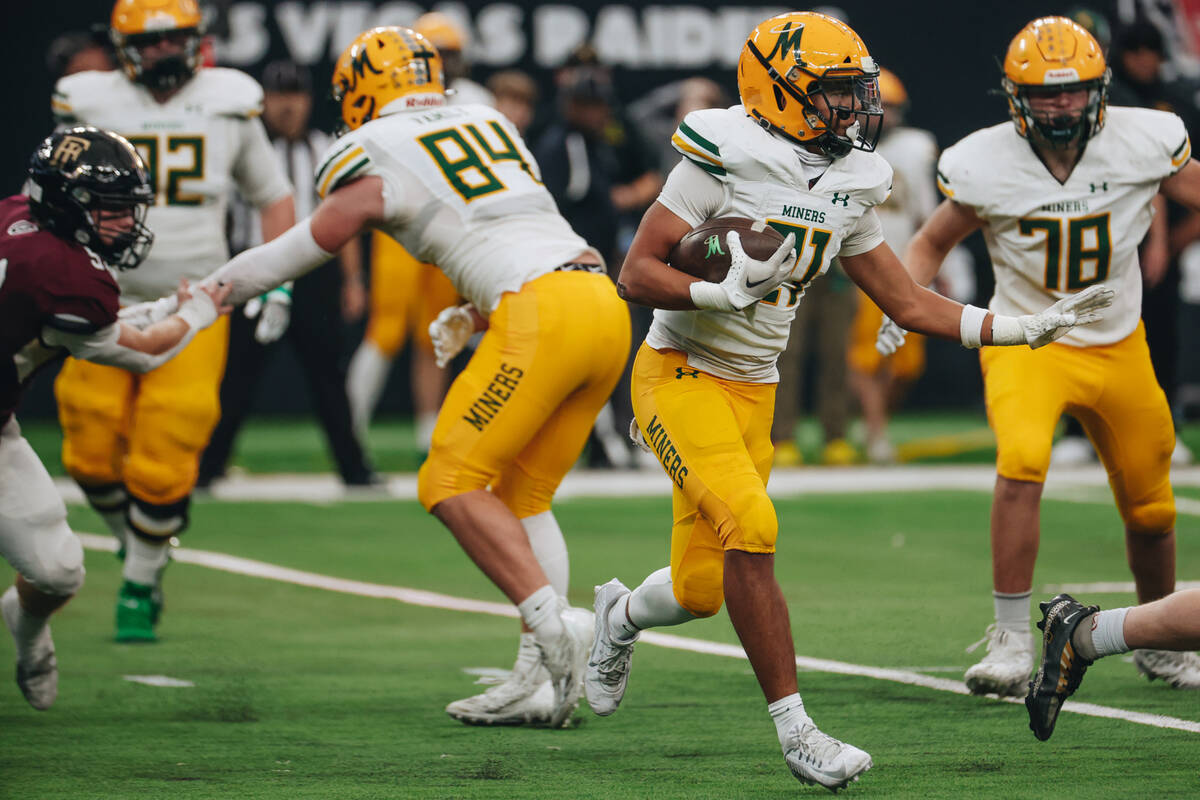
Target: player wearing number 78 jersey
{"x":1062,"y":194}
{"x":457,"y":187}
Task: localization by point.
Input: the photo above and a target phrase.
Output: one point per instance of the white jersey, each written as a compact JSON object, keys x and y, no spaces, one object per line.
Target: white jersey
{"x":197,"y":146}
{"x":461,"y":191}
{"x":732,"y":167}
{"x":913,"y":154}
{"x":1048,"y":240}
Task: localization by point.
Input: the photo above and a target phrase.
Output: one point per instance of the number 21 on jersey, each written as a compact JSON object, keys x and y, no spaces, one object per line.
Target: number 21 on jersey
{"x":788,"y":295}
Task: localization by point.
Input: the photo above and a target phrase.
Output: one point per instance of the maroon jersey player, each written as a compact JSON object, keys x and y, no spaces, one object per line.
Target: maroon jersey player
{"x":80,"y":220}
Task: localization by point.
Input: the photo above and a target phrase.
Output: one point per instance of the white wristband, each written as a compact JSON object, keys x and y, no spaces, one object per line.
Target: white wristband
{"x":710,"y":296}
{"x":970,"y":326}
{"x":198,"y":312}
{"x":1007,"y":331}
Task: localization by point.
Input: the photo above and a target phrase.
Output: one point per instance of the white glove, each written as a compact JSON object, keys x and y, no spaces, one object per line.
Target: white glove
{"x":748,"y":280}
{"x":1052,"y":323}
{"x":450,"y":332}
{"x":890,"y":337}
{"x":274,"y":312}
{"x":635,"y":436}
{"x":143,"y":315}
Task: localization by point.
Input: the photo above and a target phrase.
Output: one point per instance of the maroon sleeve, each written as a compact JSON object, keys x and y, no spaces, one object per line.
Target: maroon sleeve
{"x":79,"y":293}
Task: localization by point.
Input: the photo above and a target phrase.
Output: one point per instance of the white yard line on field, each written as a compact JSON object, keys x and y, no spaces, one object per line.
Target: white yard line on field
{"x":1085,"y":484}
{"x":260,"y":569}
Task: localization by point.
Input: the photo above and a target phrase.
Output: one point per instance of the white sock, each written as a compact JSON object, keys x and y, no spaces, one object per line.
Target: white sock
{"x":29,"y":627}
{"x":653,"y":604}
{"x":619,"y":626}
{"x":549,"y":548}
{"x":144,"y":559}
{"x":1012,"y":610}
{"x":541,"y":614}
{"x":365,"y":379}
{"x":787,"y":713}
{"x":1108,"y":632}
{"x":425,"y":422}
{"x":528,"y":656}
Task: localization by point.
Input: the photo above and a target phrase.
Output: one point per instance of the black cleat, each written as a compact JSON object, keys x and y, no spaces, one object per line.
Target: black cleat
{"x":1062,"y":669}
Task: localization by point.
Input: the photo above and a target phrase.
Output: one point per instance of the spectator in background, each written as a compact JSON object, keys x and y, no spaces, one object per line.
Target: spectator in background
{"x":407,"y":294}
{"x":661,"y":110}
{"x":516,"y":96}
{"x":317,"y":304}
{"x":79,"y":51}
{"x":598,"y":168}
{"x":880,"y":381}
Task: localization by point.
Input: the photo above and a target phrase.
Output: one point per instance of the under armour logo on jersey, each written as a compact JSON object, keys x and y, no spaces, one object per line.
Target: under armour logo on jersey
{"x":1103,"y":187}
{"x":686,"y":372}
{"x":839,"y":197}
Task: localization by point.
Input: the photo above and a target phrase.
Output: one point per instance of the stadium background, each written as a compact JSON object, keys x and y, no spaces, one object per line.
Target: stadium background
{"x":946,"y":52}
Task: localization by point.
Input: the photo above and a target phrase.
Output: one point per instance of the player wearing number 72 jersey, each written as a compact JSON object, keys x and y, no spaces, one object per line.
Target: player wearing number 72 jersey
{"x":1062,"y":194}
{"x":457,"y":187}
{"x":133,"y":442}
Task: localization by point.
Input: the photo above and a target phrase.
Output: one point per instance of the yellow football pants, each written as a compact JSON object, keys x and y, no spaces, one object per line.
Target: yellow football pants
{"x":907,"y":363}
{"x":713,"y":437}
{"x":406,"y":295}
{"x":146,"y":431}
{"x":1113,"y":392}
{"x":517,"y":418}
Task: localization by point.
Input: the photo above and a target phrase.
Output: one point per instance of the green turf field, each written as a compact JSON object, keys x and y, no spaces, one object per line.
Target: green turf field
{"x":310,"y":693}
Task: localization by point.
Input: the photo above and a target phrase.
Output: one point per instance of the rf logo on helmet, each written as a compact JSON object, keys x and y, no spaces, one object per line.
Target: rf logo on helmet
{"x":68,"y":151}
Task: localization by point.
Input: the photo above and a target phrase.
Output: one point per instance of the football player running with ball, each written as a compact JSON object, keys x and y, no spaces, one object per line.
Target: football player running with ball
{"x":62,"y":244}
{"x":133,"y":442}
{"x":1062,"y":195}
{"x":457,"y":187}
{"x":798,"y":154}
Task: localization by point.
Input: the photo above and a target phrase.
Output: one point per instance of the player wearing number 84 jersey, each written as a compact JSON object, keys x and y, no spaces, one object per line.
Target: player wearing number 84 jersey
{"x":1062,"y":194}
{"x":457,"y":187}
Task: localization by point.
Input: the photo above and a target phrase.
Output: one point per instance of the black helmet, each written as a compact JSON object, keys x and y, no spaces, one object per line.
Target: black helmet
{"x":79,"y":170}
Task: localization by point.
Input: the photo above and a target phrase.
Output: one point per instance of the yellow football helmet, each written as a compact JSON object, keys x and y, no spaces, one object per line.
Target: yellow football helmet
{"x":1049,"y":56}
{"x":384,"y":69}
{"x":139,"y":23}
{"x":798,"y":70}
{"x":891,"y":89}
{"x":442,"y":31}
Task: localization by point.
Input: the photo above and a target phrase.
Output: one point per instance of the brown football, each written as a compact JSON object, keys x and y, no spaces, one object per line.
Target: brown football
{"x":703,"y":252}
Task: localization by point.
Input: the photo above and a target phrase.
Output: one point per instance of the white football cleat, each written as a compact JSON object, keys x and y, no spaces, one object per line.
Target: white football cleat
{"x":1006,"y":668}
{"x":814,"y":757}
{"x":1181,"y":670}
{"x":608,"y":665}
{"x":525,"y":697}
{"x":37,"y":668}
{"x":565,"y":657}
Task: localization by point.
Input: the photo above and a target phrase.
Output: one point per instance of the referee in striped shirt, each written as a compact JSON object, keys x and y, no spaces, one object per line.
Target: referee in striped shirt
{"x":311,"y":315}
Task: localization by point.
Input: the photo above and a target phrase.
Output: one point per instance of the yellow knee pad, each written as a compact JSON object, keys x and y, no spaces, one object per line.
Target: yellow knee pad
{"x":699,"y":588}
{"x":442,"y":476}
{"x":164,"y":452}
{"x":750,"y":523}
{"x":1150,"y":519}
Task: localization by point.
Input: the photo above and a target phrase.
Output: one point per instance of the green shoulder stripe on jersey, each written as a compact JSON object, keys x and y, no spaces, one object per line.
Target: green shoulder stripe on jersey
{"x":707,"y":167}
{"x":320,"y":173}
{"x":941,"y":176}
{"x":1179,"y":149}
{"x":349,"y":173}
{"x":687,"y":131}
